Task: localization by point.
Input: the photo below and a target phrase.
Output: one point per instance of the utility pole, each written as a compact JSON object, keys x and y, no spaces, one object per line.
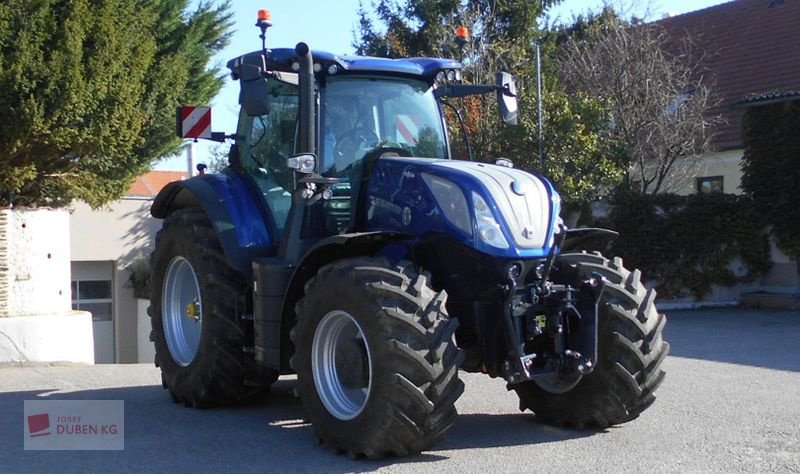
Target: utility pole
{"x":539,"y":100}
{"x":190,"y":160}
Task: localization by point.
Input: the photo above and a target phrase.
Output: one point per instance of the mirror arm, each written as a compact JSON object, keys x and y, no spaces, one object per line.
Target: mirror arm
{"x":463,"y":90}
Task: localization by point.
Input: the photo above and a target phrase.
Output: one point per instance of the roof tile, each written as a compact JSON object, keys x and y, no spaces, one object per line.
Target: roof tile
{"x":149,"y":184}
{"x":752,"y":46}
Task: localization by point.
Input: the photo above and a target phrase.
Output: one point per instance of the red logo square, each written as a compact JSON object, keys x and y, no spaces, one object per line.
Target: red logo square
{"x":39,"y":425}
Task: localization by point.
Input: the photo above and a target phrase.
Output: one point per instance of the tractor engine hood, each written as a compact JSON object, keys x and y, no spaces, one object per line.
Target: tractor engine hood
{"x":497,"y":210}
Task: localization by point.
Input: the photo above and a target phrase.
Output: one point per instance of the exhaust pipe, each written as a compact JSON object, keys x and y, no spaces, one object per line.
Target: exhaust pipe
{"x":307,"y":142}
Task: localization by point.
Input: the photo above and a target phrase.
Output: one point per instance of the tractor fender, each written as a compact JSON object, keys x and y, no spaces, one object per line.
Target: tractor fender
{"x":232,"y":209}
{"x":577,"y":239}
{"x":333,"y":248}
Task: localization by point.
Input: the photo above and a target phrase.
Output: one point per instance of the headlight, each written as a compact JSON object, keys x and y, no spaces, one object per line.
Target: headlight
{"x":451,"y":200}
{"x":488,"y":229}
{"x":304,"y":163}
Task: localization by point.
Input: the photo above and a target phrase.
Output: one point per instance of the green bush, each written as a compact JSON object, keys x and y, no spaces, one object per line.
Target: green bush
{"x":686,"y":244}
{"x":771,"y":171}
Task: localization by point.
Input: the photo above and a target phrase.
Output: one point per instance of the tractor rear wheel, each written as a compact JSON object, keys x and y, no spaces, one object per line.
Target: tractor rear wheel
{"x":196,"y":301}
{"x":630,"y":351}
{"x":376,"y":360}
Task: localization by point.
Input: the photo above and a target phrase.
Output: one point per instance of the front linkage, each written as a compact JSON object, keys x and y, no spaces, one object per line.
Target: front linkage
{"x":551,"y":328}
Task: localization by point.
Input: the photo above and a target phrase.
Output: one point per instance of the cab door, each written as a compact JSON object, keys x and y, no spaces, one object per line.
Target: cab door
{"x":265,"y":142}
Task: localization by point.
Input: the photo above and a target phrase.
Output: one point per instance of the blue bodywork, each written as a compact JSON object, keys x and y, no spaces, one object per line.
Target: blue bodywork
{"x":234,"y":193}
{"x":399,"y":200}
{"x":233,"y":209}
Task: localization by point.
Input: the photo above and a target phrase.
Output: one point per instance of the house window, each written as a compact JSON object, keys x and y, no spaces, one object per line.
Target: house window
{"x":93,"y":296}
{"x":709,"y":184}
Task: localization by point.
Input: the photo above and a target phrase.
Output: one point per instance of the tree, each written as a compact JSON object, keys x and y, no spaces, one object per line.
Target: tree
{"x":89,"y":90}
{"x":218,"y":158}
{"x":655,"y":93}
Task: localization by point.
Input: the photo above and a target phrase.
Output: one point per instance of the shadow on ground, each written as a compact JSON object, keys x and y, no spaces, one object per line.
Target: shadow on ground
{"x":759,"y":338}
{"x":267,"y":437}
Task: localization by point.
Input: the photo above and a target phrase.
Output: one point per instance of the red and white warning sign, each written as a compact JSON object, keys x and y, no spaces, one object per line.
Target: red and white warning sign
{"x":194,"y":122}
{"x":407,"y":129}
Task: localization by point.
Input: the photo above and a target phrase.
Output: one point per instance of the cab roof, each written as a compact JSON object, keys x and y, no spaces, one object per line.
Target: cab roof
{"x":282,"y":59}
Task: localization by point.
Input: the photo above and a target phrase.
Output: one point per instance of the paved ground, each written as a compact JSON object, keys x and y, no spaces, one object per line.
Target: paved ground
{"x":731,"y":403}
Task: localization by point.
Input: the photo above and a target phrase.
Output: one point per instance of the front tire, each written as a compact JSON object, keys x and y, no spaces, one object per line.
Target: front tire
{"x":376,"y":361}
{"x":630,"y":351}
{"x":196,"y":302}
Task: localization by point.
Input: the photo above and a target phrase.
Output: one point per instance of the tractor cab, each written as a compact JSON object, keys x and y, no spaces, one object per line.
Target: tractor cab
{"x":357,"y":110}
{"x":362,"y":106}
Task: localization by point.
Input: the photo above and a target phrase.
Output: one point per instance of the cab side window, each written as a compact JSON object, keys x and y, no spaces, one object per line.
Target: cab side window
{"x":270,"y":141}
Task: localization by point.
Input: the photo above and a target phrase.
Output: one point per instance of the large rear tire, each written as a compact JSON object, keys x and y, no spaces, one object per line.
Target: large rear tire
{"x":196,"y":304}
{"x":376,"y":360}
{"x":630,"y":351}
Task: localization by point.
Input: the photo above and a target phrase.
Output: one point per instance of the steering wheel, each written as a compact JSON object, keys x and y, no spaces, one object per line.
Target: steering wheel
{"x":387,"y":148}
{"x":350,"y":142}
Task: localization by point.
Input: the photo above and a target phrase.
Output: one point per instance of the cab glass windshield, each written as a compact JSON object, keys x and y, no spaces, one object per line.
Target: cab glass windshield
{"x":362,"y":114}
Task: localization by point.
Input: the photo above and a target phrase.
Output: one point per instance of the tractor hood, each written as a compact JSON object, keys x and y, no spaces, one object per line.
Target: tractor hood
{"x":497,"y":210}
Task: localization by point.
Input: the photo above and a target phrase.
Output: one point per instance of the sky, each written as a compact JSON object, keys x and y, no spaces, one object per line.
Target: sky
{"x":329,"y":25}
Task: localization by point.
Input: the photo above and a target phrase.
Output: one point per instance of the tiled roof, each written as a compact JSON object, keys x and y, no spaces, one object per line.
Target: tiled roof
{"x":753,"y":49}
{"x":769,"y":98}
{"x":149,"y":184}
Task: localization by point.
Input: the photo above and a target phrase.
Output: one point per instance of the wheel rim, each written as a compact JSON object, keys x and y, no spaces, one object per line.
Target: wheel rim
{"x":558,"y":383}
{"x":342,"y":365}
{"x":182,"y":311}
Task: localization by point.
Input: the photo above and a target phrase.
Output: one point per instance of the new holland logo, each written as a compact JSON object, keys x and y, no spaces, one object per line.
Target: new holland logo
{"x":528,"y":233}
{"x":518,"y":188}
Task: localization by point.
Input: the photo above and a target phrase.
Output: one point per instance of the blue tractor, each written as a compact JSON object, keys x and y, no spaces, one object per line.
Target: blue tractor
{"x":344,"y":244}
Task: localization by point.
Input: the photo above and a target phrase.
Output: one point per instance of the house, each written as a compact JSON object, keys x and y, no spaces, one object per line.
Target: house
{"x":104,"y":243}
{"x":752,"y":57}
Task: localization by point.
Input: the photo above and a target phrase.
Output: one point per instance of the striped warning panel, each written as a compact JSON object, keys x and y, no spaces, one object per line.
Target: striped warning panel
{"x":194,"y":122}
{"x":407,"y":129}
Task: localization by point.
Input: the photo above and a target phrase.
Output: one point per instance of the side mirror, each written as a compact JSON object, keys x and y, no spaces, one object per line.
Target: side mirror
{"x":507,"y":97}
{"x":253,"y":95}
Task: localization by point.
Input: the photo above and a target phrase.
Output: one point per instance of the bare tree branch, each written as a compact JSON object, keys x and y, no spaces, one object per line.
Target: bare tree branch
{"x":657,"y":94}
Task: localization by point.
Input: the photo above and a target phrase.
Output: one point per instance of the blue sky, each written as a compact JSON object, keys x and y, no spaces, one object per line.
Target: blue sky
{"x":328,"y":25}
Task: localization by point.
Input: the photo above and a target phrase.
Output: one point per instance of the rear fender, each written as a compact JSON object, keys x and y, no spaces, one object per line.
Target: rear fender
{"x":232,"y":209}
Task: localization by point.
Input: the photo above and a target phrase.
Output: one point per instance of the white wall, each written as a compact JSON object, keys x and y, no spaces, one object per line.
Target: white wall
{"x":36,"y":321}
{"x":722,"y":163}
{"x":34,"y":262}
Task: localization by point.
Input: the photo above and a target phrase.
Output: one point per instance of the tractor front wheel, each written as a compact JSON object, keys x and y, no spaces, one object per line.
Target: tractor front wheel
{"x":630,"y":351}
{"x":376,"y":361}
